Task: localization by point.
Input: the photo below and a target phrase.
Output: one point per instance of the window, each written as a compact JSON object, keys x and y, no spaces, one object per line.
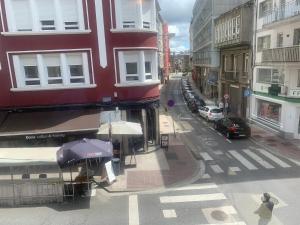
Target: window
{"x":279,"y":40}
{"x":265,"y":8}
{"x":297,"y":37}
{"x":136,"y":14}
{"x":233,"y":27}
{"x":238,"y":22}
{"x":133,"y":69}
{"x":23,"y":19}
{"x":75,"y":65}
{"x":270,"y":76}
{"x":263,"y":43}
{"x":45,"y":15}
{"x":246,"y":62}
{"x":48,"y":70}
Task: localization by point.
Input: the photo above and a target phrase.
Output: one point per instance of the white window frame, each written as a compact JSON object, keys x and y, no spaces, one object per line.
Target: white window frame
{"x":139,"y":22}
{"x":41,"y":63}
{"x":298,"y":81}
{"x":140,"y":57}
{"x":59,"y":23}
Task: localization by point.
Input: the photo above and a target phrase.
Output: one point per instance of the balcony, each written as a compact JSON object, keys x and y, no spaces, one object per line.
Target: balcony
{"x":285,"y":54}
{"x":285,"y":11}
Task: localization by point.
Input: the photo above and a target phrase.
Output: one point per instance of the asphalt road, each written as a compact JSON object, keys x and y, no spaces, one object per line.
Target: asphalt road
{"x":235,"y":174}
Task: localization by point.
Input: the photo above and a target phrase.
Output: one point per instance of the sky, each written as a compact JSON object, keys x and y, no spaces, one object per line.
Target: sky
{"x":178,"y":14}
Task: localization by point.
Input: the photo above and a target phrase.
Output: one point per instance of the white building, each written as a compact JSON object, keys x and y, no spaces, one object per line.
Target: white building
{"x":276,"y":80}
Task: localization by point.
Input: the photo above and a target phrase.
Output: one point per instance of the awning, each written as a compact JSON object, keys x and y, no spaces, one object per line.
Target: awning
{"x":50,"y":122}
{"x":121,"y":128}
{"x":28,"y":156}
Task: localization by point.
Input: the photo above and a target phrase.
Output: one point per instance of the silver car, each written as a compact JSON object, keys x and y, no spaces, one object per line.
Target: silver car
{"x":211,"y":113}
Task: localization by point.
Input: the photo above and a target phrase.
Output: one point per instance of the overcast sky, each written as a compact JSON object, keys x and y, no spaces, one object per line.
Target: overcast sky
{"x":178,"y":14}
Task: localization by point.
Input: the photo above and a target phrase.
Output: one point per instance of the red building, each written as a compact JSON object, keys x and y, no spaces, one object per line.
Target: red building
{"x":166,"y":51}
{"x":61,"y":56}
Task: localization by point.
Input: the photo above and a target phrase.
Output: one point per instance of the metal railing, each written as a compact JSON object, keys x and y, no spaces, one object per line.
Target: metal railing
{"x":282,"y":12}
{"x":283,"y":54}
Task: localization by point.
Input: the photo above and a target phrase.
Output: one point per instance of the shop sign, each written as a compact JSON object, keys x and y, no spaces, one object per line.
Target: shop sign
{"x":44,"y":136}
{"x":164,"y":140}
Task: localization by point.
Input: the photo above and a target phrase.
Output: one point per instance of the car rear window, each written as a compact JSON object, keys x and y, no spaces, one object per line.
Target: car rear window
{"x":216,"y":110}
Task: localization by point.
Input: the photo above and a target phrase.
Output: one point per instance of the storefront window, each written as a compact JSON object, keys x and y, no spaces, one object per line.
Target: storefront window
{"x":269,"y":110}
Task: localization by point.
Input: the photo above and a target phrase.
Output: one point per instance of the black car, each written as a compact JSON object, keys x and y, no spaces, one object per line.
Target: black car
{"x":233,"y":127}
{"x":194,"y":105}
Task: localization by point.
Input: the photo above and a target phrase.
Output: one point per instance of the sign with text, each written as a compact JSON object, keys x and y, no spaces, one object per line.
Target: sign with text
{"x":164,"y":140}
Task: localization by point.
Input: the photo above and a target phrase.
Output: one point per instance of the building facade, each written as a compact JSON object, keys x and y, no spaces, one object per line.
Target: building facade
{"x":276,"y":81}
{"x":205,"y":55}
{"x":61,"y":54}
{"x":233,"y":36}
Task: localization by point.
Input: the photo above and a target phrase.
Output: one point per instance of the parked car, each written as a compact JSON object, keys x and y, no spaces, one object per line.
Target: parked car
{"x":211,"y":113}
{"x":233,"y":127}
{"x":194,"y":105}
{"x":202,"y":102}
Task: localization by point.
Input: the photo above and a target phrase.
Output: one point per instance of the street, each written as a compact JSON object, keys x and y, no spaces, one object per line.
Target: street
{"x":236,"y":174}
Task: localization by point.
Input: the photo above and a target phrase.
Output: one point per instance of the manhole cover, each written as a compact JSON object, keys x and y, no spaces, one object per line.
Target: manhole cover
{"x":219,"y":215}
{"x":171,"y":155}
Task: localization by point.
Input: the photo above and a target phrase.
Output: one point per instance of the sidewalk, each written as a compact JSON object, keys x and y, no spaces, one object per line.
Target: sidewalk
{"x":270,"y":140}
{"x":160,"y":168}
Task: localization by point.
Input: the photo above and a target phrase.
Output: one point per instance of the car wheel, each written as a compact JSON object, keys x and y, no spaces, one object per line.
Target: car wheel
{"x":228,"y":135}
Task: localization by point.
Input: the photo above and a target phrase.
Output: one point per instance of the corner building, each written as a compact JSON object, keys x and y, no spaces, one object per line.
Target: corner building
{"x":67,"y":58}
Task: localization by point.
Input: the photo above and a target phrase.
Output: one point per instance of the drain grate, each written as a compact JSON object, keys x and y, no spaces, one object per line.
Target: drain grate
{"x":219,"y":215}
{"x":271,"y":140}
{"x":171,"y":155}
{"x":256,"y":136}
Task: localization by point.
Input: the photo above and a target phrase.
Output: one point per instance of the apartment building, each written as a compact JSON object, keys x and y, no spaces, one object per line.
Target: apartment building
{"x":233,"y":37}
{"x":205,"y":55}
{"x":276,"y":81}
{"x":63,"y":61}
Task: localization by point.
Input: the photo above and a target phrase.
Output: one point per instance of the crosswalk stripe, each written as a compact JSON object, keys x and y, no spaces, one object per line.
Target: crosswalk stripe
{"x":258,"y":159}
{"x":234,"y":223}
{"x":295,"y":162}
{"x":169,"y":213}
{"x":244,"y":161}
{"x":133,"y":207}
{"x":206,"y":156}
{"x":192,"y":198}
{"x":197,"y":187}
{"x":274,"y":158}
{"x":216,"y":168}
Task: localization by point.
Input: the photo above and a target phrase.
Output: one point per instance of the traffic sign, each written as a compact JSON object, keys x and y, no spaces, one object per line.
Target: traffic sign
{"x":171,"y":103}
{"x":247,"y":93}
{"x":226,"y":96}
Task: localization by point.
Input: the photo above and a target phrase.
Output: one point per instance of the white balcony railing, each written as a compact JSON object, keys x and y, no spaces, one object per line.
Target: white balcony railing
{"x":283,"y":54}
{"x":282,"y":12}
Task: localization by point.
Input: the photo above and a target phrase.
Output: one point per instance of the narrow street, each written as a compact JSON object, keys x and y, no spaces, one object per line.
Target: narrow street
{"x":228,"y":192}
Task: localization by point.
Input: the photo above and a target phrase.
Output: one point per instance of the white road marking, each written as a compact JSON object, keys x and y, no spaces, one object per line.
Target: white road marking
{"x":234,"y":169}
{"x":212,"y":128}
{"x":206,"y":156}
{"x":134,"y":218}
{"x":295,"y":162}
{"x":220,"y":134}
{"x":234,"y":223}
{"x":197,"y":187}
{"x":228,"y":141}
{"x":218,"y":152}
{"x":216,"y":168}
{"x":205,"y":176}
{"x":274,"y":158}
{"x":169,"y":213}
{"x":244,"y":161}
{"x":258,"y":159}
{"x":192,"y":198}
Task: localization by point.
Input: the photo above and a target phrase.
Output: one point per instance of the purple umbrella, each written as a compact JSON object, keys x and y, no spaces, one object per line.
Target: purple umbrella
{"x":72,"y":152}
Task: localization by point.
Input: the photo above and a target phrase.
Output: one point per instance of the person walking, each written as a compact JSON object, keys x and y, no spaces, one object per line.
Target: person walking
{"x":265,"y":210}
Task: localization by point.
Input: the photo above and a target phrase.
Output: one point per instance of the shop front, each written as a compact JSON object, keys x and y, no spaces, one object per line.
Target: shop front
{"x":269,"y":112}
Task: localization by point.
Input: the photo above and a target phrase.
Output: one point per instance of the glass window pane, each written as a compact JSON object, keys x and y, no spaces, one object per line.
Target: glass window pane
{"x":131,"y":68}
{"x":76,"y":70}
{"x":132,"y":78}
{"x":54,"y":71}
{"x":148,"y":67}
{"x":31,"y":72}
